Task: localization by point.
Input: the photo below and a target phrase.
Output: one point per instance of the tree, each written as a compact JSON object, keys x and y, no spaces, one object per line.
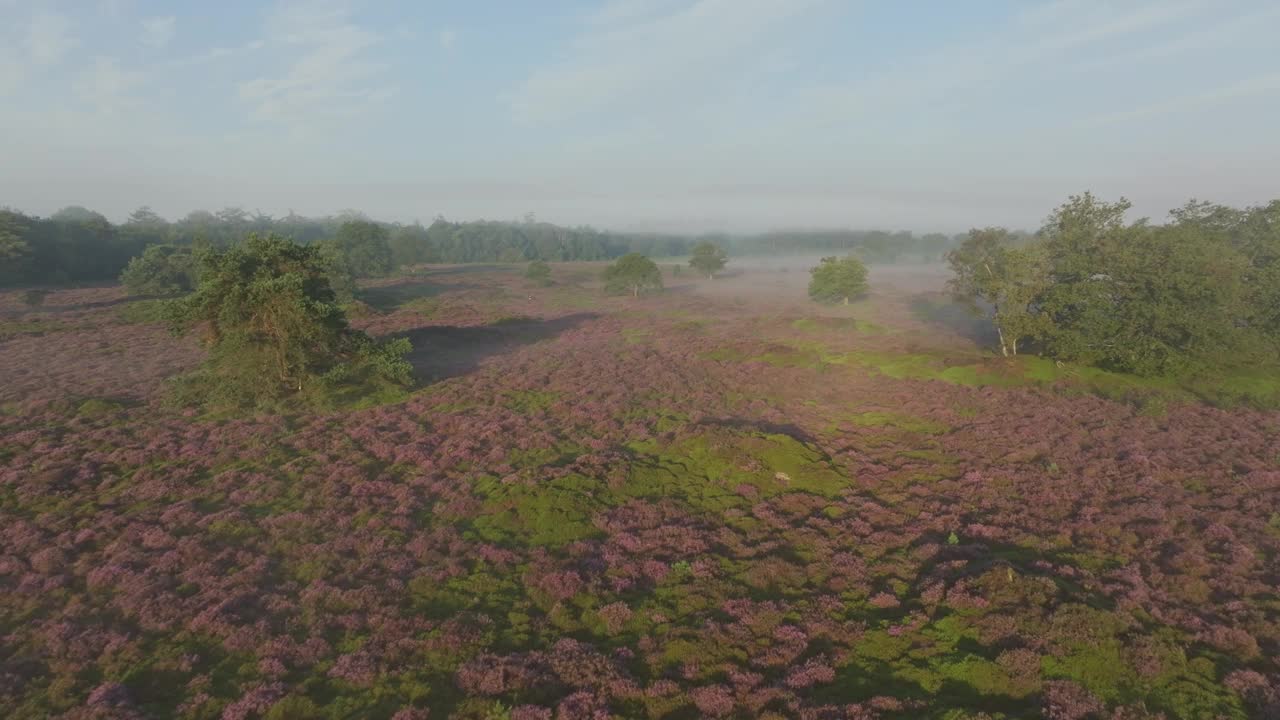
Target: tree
{"x":12,"y":243}
{"x":1008,"y":280}
{"x":708,"y":258}
{"x":838,"y":279}
{"x":410,"y":245}
{"x":160,"y":270}
{"x":362,"y":248}
{"x":539,"y":273}
{"x":633,"y":273}
{"x":1137,"y":298}
{"x":275,"y":330}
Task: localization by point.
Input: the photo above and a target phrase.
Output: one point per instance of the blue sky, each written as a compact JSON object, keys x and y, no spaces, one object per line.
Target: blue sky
{"x":640,"y":114}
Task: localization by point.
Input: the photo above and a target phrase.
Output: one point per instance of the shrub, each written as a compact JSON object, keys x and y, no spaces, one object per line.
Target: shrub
{"x":160,"y":270}
{"x":539,"y":273}
{"x":838,"y":279}
{"x":708,"y":258}
{"x":275,"y":329}
{"x":632,"y":273}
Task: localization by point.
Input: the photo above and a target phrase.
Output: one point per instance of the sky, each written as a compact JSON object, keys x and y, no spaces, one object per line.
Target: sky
{"x":666,"y":115}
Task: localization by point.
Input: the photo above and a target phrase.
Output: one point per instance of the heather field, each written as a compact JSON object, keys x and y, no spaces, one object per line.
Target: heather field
{"x":717,"y":501}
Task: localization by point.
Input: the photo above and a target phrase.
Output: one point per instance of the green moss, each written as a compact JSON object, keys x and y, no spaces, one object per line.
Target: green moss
{"x":142,"y":311}
{"x":530,"y":401}
{"x":906,"y":423}
{"x":553,"y":512}
{"x":14,"y":328}
{"x":635,"y":336}
{"x":95,"y":407}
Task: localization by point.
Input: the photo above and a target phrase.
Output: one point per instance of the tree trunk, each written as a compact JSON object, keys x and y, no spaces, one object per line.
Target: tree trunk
{"x":846,"y":299}
{"x":1004,"y":349}
{"x":635,"y":291}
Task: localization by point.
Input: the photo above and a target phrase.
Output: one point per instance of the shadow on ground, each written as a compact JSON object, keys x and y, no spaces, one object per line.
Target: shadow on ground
{"x":386,"y":298}
{"x":445,"y":351}
{"x":940,"y":310}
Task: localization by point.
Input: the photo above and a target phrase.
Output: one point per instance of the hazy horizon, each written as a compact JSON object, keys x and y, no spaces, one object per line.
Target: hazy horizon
{"x":653,"y":115}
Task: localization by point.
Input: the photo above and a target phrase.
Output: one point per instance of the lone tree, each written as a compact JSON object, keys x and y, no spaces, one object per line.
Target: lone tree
{"x":160,"y":270}
{"x":837,"y":279}
{"x":538,"y":273}
{"x":708,"y":258}
{"x":633,"y":273}
{"x":992,"y":276}
{"x":275,"y":330}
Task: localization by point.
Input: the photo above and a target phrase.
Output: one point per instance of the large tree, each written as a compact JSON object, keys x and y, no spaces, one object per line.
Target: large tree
{"x":994,"y":277}
{"x":1138,"y":298}
{"x":274,"y":328}
{"x":838,"y":279}
{"x":632,"y":273}
{"x":708,"y":258}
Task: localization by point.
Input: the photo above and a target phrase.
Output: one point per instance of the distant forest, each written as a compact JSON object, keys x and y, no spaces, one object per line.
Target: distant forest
{"x":76,"y":245}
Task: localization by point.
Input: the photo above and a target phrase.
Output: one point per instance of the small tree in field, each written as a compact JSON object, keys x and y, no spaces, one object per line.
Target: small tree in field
{"x":538,"y":273}
{"x":160,"y":270}
{"x":708,"y":258}
{"x":632,"y":273}
{"x":837,"y":279}
{"x":275,"y":330}
{"x":1008,"y":280}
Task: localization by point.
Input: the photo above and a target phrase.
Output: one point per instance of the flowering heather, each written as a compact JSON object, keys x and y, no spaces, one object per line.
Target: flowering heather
{"x":692,"y":504}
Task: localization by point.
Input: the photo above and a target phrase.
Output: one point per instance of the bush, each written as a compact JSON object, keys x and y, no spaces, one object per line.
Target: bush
{"x":708,"y":258}
{"x":276,"y":332}
{"x":838,"y":279}
{"x":539,"y":273}
{"x":632,"y":273}
{"x":160,"y":270}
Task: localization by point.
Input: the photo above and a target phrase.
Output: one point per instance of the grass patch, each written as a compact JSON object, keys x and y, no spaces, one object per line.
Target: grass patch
{"x":906,"y":423}
{"x":141,"y":312}
{"x":15,"y":328}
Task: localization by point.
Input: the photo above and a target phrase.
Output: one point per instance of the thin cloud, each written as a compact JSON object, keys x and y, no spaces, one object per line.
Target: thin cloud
{"x":49,"y":38}
{"x":633,"y":51}
{"x":1268,"y":84}
{"x":104,"y":85}
{"x":328,"y":68}
{"x":158,"y":31}
{"x":447,"y":38}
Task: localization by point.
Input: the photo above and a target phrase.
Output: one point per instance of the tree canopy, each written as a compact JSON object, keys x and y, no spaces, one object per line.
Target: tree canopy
{"x":838,"y":279}
{"x":708,"y":258}
{"x":990,"y":273}
{"x":632,"y":273}
{"x":160,"y":270}
{"x":274,"y":328}
{"x":1200,"y":291}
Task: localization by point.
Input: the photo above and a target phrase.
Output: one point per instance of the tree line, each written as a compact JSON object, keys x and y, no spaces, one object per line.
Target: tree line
{"x":1197,"y":292}
{"x":76,"y":245}
{"x":79,"y":245}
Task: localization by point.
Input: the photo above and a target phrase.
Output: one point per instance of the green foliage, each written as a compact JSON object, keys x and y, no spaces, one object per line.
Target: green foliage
{"x":538,"y":273}
{"x":411,"y":245}
{"x":632,"y":273}
{"x":275,"y":330}
{"x":1137,"y":298}
{"x":708,"y":258}
{"x":838,"y":279}
{"x":361,"y":248}
{"x":991,"y":273}
{"x":160,"y":270}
